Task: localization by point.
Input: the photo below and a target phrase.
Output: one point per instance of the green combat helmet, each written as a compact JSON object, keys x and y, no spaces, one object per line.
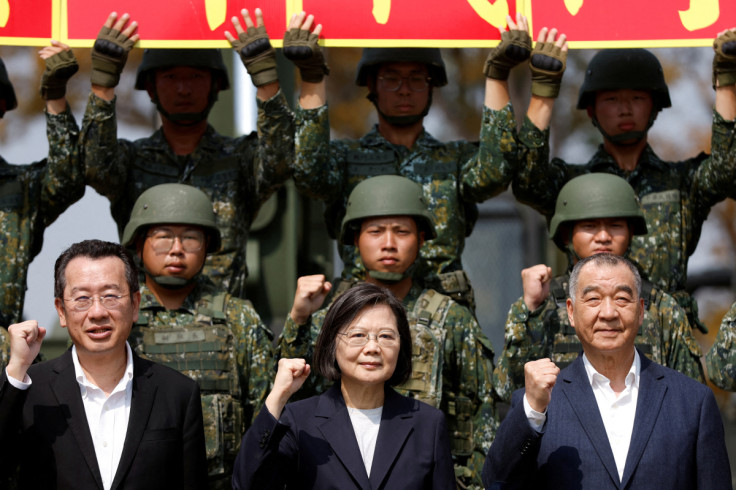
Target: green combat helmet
{"x":634,"y":69}
{"x":172,"y":204}
{"x":373,"y":58}
{"x":6,"y":90}
{"x":206,"y":59}
{"x":593,"y":196}
{"x":387,"y":195}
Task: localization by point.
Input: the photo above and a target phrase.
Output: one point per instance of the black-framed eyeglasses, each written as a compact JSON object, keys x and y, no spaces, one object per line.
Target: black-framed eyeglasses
{"x":162,"y":241}
{"x":357,"y":337}
{"x":416,"y":83}
{"x":107,"y":301}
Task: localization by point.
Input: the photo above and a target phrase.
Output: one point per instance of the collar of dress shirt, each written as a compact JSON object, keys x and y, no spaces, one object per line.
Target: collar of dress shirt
{"x":84,"y":383}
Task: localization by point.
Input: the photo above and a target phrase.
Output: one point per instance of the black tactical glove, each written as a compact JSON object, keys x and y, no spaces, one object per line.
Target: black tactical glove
{"x":301,"y":47}
{"x":109,"y":54}
{"x":59,"y":69}
{"x":514,"y":48}
{"x":257,"y":54}
{"x":548,"y":65}
{"x":724,"y":61}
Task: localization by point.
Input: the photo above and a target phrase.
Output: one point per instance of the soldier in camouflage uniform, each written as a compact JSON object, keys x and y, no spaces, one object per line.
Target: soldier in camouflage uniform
{"x":33,"y":196}
{"x":595,"y":213}
{"x":452,"y":364}
{"x":193,"y":326}
{"x":623,"y":91}
{"x":238,"y":174}
{"x":454,"y":176}
{"x":720,"y":361}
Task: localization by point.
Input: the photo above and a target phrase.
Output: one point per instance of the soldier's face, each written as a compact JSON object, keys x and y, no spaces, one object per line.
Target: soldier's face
{"x":606,"y":311}
{"x":622,"y":111}
{"x":183,"y":89}
{"x":603,"y":235}
{"x":98,"y":331}
{"x":389,"y":243}
{"x":402,"y":101}
{"x":180,"y":260}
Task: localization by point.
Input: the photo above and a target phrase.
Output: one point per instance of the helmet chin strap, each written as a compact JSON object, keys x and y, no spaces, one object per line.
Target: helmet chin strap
{"x":401,"y":121}
{"x":629,"y":138}
{"x":393,"y":277}
{"x":187,"y":118}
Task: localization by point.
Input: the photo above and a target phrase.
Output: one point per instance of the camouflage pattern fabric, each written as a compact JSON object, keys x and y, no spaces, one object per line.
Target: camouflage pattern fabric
{"x":237,"y":174}
{"x":720,"y":361}
{"x":467,"y":371}
{"x":454,"y":177}
{"x":531,"y":335}
{"x":252,"y":351}
{"x":4,"y":348}
{"x":675,"y":197}
{"x":31,"y":198}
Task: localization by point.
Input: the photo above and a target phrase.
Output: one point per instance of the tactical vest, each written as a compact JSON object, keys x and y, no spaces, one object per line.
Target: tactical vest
{"x":204,"y":351}
{"x":566,"y":346}
{"x":429,"y":336}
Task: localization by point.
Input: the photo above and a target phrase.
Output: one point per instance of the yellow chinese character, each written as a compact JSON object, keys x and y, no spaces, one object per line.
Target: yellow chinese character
{"x":494,"y":13}
{"x":381,"y":9}
{"x":216,"y":12}
{"x":702,"y":13}
{"x":4,"y":12}
{"x":573,"y":6}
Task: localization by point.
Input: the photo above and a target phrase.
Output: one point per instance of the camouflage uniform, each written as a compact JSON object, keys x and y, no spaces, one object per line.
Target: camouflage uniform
{"x":454,"y":177}
{"x":466,"y":375}
{"x":4,"y":348}
{"x":253,"y":357}
{"x":676,"y":198}
{"x":238,"y":174}
{"x":720,"y":361}
{"x":665,"y":337}
{"x":31,"y":198}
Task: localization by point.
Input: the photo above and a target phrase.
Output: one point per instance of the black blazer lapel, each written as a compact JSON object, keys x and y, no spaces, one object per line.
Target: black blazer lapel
{"x":397,"y":422}
{"x":338,"y":432}
{"x":144,"y":393}
{"x":579,"y":393}
{"x":652,"y":390}
{"x":63,"y":384}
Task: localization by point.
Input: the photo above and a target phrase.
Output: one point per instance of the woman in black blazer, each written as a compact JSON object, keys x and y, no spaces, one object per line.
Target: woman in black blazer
{"x":360,"y":433}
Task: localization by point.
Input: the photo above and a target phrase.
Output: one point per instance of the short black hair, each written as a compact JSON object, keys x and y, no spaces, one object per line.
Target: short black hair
{"x":342,"y":313}
{"x":94,"y":249}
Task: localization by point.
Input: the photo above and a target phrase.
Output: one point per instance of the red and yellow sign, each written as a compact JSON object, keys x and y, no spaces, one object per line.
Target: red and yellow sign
{"x":634,"y":23}
{"x":442,"y":23}
{"x":28,"y":22}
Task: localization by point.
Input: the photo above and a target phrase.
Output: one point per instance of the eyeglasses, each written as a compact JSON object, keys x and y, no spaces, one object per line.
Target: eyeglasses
{"x":163,"y":241}
{"x":358,"y":338}
{"x":416,"y":83}
{"x":108,"y":301}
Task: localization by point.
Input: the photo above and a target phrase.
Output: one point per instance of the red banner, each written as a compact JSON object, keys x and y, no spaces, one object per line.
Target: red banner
{"x":172,"y":23}
{"x":28,"y":22}
{"x":442,"y":23}
{"x":410,"y":23}
{"x":640,"y":23}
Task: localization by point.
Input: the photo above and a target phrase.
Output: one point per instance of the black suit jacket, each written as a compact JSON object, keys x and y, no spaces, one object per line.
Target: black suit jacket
{"x":677,"y":442}
{"x":313,"y":446}
{"x":44,"y":431}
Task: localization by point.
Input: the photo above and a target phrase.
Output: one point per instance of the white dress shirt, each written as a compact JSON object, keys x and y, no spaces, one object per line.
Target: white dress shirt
{"x":617,"y":410}
{"x":107,"y":416}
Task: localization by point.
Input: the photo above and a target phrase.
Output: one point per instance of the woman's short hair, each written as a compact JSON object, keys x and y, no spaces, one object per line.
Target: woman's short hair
{"x":342,"y":313}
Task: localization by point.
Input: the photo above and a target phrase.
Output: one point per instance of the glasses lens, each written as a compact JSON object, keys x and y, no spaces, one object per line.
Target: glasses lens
{"x":84,"y":303}
{"x":358,"y":338}
{"x":162,"y":242}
